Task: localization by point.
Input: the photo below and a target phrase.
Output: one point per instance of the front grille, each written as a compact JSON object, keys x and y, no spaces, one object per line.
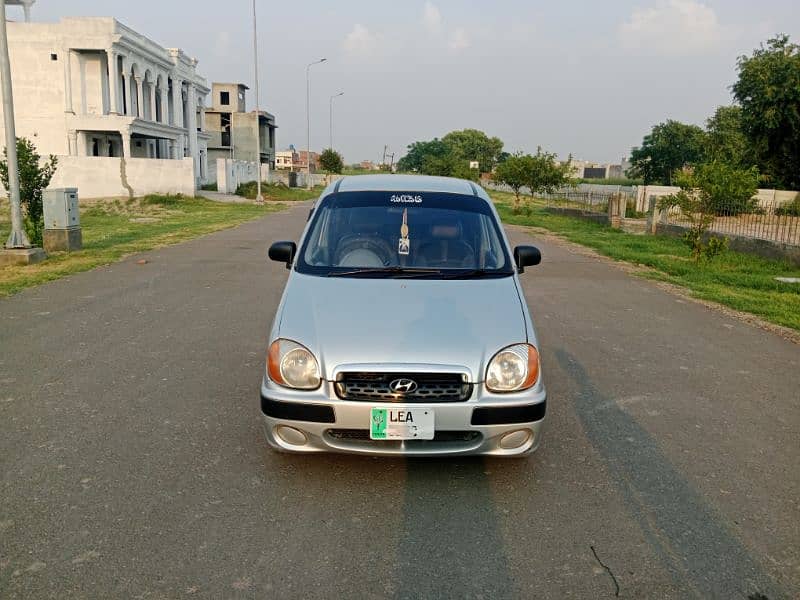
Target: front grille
{"x":431,"y":387}
{"x":439,"y":436}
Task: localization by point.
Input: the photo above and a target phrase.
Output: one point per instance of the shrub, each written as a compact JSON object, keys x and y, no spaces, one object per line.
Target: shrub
{"x":631,"y":212}
{"x":34,"y":177}
{"x":726,"y":190}
{"x":707,"y":191}
{"x":790,"y":210}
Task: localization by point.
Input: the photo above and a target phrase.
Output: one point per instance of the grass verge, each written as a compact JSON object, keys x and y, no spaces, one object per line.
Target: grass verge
{"x":278,"y":192}
{"x":113,"y":229}
{"x":740,"y":281}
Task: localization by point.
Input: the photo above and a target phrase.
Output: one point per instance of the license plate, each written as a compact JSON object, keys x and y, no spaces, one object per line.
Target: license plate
{"x":401,"y":423}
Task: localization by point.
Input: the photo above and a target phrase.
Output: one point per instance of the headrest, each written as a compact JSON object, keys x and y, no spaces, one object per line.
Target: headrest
{"x":446,"y":229}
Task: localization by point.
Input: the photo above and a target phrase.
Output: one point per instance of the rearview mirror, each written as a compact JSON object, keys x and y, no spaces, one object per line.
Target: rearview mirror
{"x":526,"y":256}
{"x":283,"y":252}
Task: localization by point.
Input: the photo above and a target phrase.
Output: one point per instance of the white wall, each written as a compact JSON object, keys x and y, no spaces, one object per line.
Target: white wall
{"x":766,"y":198}
{"x":103,"y":177}
{"x":230,"y":173}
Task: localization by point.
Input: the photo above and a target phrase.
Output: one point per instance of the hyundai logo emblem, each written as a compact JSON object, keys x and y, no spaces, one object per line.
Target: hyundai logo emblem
{"x":403,"y":386}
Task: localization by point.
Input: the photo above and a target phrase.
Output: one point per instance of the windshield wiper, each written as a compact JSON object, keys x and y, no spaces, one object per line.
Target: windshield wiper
{"x":476,"y":274}
{"x":395,"y":270}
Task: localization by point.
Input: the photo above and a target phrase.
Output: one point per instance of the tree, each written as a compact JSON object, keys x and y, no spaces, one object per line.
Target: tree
{"x":546,"y":174}
{"x":331,"y":161}
{"x":419,"y":151}
{"x":668,"y":148}
{"x":707,"y":191}
{"x":463,"y":146}
{"x":539,"y":173}
{"x":448,"y":166}
{"x":472,"y":144}
{"x":768,"y":90}
{"x":513,"y":172}
{"x":34,"y":177}
{"x":725,"y":140}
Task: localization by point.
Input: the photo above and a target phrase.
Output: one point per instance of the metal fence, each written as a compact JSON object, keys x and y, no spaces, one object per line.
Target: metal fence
{"x":762,"y":219}
{"x":587,"y":197}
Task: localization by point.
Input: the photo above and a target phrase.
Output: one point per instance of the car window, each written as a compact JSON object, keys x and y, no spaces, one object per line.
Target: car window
{"x":438,"y":233}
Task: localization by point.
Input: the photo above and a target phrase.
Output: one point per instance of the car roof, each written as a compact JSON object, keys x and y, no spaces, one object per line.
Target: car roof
{"x":406,"y":183}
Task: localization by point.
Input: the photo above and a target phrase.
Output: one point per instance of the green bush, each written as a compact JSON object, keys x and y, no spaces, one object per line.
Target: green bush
{"x":210,"y":187}
{"x":631,"y":212}
{"x":725,"y":190}
{"x":249,"y":189}
{"x":790,"y":210}
{"x":34,"y":177}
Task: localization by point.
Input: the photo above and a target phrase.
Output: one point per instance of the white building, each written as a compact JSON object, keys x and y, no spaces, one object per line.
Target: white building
{"x":91,"y":89}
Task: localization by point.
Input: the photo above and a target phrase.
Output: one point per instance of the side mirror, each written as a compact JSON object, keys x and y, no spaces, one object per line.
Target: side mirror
{"x":526,"y":256}
{"x":283,"y":252}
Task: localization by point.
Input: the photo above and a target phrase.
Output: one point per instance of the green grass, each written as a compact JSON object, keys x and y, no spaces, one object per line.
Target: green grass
{"x":278,"y":192}
{"x":113,"y":229}
{"x":739,"y":281}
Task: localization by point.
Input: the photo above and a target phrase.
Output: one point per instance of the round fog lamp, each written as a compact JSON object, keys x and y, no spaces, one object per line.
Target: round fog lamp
{"x":515,"y":439}
{"x":291,"y":436}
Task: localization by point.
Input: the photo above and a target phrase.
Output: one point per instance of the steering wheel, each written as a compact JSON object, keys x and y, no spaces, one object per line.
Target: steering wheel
{"x":360,"y":251}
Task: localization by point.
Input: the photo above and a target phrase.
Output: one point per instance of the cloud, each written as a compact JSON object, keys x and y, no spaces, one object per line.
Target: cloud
{"x":673,"y":27}
{"x":360,"y":40}
{"x":459,"y":40}
{"x":431,"y":18}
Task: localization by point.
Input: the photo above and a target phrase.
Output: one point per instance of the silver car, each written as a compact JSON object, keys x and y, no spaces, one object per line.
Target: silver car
{"x":403,"y":328}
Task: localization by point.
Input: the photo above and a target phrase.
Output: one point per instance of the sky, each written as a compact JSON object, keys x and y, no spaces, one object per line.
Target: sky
{"x":582,"y":78}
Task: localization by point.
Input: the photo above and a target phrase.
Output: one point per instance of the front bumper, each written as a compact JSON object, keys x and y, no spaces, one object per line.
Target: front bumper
{"x":487,"y":424}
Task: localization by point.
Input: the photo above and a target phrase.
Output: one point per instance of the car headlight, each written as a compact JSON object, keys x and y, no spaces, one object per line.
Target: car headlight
{"x":513,"y":369}
{"x":292,"y":365}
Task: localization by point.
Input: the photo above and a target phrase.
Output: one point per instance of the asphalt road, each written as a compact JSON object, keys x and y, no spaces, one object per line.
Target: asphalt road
{"x":132,"y":462}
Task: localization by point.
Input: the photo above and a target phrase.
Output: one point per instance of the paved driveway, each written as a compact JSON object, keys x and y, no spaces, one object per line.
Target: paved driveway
{"x":132,"y":462}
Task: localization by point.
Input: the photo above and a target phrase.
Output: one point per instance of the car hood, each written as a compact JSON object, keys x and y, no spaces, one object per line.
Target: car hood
{"x":369,"y":322}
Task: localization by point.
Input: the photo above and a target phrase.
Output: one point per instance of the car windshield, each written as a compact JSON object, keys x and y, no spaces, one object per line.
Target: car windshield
{"x":390,"y":234}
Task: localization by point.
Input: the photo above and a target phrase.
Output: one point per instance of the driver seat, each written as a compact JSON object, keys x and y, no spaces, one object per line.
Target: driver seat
{"x":446,"y":249}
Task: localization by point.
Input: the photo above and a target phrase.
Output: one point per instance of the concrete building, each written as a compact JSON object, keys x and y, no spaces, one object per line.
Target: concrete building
{"x":295,"y":160}
{"x":287,"y":159}
{"x":303,"y":164}
{"x":233,"y":130}
{"x":92,"y":88}
{"x":583,"y":169}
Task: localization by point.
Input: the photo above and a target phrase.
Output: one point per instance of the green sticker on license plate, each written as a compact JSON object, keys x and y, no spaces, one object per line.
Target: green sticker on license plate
{"x":378,"y":424}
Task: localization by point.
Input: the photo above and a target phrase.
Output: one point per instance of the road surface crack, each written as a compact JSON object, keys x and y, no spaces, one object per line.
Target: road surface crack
{"x":600,"y":562}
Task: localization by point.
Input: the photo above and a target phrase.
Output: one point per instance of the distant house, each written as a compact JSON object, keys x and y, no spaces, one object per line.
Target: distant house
{"x":287,"y":159}
{"x":233,"y":129}
{"x":303,"y":164}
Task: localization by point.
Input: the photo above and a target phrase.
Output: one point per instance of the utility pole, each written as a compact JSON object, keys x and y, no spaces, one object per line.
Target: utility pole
{"x":17,"y":238}
{"x":385,"y":148}
{"x":259,"y":197}
{"x":308,"y":118}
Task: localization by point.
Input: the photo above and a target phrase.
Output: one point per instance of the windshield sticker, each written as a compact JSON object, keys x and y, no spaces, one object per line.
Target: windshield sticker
{"x":404,"y":245}
{"x":406,"y":199}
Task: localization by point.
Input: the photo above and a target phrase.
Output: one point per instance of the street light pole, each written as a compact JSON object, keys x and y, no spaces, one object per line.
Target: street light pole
{"x":17,"y":238}
{"x":259,"y":197}
{"x":331,"y":115}
{"x":308,"y":118}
